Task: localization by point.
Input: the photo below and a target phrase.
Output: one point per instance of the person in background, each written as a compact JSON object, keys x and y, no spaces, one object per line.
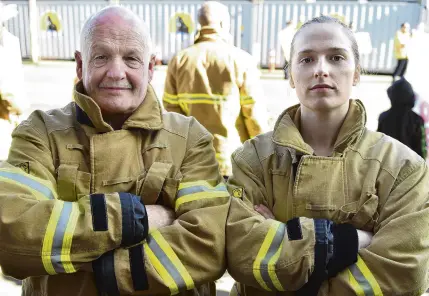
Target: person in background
{"x":218,"y":84}
{"x":400,"y":121}
{"x":322,"y":205}
{"x":401,"y":47}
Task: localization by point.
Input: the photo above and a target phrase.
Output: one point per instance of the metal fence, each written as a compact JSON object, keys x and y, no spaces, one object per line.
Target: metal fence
{"x":254,"y":27}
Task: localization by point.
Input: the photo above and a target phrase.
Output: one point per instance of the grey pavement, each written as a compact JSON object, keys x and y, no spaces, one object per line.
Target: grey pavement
{"x":49,"y":85}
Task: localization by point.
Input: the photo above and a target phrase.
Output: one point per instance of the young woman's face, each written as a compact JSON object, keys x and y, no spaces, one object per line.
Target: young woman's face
{"x":323,"y":67}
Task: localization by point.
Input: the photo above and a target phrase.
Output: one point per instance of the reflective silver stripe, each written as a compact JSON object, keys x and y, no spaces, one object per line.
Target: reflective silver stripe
{"x":28,"y":182}
{"x":166,"y":263}
{"x":200,"y":188}
{"x":364,"y":284}
{"x":275,"y":245}
{"x":57,"y":243}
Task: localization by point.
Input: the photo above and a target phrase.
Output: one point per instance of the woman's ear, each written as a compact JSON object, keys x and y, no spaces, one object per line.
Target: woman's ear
{"x":291,"y":83}
{"x":356,"y":77}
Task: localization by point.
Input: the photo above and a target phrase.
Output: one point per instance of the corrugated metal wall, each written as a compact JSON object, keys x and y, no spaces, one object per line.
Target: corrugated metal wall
{"x":254,"y":27}
{"x":380,"y":19}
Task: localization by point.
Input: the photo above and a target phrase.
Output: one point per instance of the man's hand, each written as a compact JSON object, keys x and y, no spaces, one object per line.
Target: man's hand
{"x":365,"y":238}
{"x":264,"y":211}
{"x":159,"y":216}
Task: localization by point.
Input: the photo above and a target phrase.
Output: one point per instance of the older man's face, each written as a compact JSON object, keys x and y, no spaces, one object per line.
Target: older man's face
{"x":116,"y":70}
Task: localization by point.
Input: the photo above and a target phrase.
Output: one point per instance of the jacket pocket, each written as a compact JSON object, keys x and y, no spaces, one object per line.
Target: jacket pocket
{"x":155,"y":183}
{"x":72,"y":183}
{"x":320,"y":184}
{"x":367,"y":215}
{"x":362,"y":217}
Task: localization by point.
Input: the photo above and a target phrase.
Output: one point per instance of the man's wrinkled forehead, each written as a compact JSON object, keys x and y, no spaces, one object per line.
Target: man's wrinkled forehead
{"x":116,"y":32}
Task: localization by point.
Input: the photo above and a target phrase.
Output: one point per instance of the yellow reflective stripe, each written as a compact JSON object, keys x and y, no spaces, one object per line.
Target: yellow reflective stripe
{"x":42,"y":186}
{"x":166,"y":278}
{"x":195,"y":183}
{"x":186,"y":95}
{"x":49,"y":237}
{"x":369,"y":277}
{"x":170,"y":96}
{"x":35,"y":193}
{"x":68,"y":237}
{"x":171,"y":101}
{"x":167,"y":264}
{"x":246,"y":100}
{"x":272,"y":270}
{"x":262,"y":253}
{"x":174,"y":259}
{"x":355,"y":285}
{"x":199,"y":195}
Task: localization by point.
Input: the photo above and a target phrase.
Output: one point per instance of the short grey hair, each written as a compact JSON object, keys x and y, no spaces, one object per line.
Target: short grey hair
{"x":212,"y":13}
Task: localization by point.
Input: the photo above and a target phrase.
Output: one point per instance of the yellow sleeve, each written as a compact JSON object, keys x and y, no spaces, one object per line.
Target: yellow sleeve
{"x":397,"y":260}
{"x":170,"y":99}
{"x":253,"y":117}
{"x":42,"y":234}
{"x":190,"y":252}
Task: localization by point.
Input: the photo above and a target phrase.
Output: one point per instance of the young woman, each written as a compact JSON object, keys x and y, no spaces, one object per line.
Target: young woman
{"x":344,"y":209}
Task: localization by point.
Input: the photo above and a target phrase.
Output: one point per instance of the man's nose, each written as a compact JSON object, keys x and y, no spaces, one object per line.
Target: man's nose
{"x":116,"y":69}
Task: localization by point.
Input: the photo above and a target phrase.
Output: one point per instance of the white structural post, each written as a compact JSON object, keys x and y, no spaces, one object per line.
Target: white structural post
{"x":34,"y":30}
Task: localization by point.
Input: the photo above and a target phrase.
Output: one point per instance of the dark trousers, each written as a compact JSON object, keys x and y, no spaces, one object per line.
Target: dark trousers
{"x":401,"y":67}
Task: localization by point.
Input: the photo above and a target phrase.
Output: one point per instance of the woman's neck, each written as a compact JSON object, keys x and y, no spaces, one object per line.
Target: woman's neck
{"x":320,"y":129}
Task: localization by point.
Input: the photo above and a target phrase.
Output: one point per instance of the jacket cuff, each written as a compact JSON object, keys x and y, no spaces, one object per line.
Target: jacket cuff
{"x":322,"y":252}
{"x":346,"y":244}
{"x":104,"y":275}
{"x":135,"y":223}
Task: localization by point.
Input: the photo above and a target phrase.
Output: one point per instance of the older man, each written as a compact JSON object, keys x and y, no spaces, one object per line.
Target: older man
{"x":218,"y":84}
{"x":89,"y":192}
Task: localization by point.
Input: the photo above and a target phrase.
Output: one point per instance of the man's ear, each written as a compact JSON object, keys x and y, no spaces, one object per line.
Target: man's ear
{"x":152,"y":61}
{"x":78,"y":58}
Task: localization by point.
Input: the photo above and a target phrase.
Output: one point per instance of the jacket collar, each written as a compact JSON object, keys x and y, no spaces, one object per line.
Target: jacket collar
{"x":286,"y":131}
{"x":208,"y":33}
{"x":147,"y":116}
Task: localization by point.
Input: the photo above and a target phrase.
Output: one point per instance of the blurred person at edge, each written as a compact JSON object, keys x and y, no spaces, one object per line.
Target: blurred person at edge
{"x":12,"y":89}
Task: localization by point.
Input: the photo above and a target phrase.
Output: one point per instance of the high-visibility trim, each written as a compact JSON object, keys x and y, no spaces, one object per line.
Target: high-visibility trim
{"x":170,"y":101}
{"x":167,"y":264}
{"x":58,"y":238}
{"x":246,"y":100}
{"x":355,"y":285}
{"x":49,"y":237}
{"x":200,"y":98}
{"x":31,"y":182}
{"x":267,"y":257}
{"x":199,"y":191}
{"x":364,"y":279}
{"x":196,"y":183}
{"x":68,"y":238}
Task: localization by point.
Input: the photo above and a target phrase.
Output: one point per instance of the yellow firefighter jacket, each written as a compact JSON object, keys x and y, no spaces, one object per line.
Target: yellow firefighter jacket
{"x":77,"y":203}
{"x":218,"y":84}
{"x":372,"y":182}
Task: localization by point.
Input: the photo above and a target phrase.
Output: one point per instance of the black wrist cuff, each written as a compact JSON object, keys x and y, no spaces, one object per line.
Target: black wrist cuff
{"x":346,"y":245}
{"x":135,"y":224}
